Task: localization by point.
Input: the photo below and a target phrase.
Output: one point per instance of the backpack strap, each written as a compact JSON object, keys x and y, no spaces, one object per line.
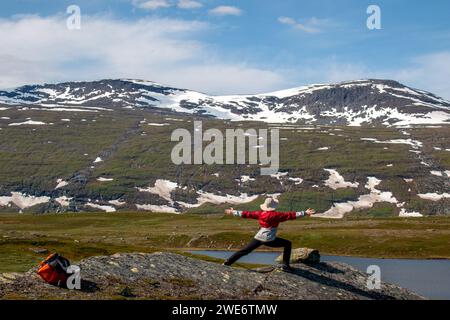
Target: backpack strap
{"x":63,"y":263}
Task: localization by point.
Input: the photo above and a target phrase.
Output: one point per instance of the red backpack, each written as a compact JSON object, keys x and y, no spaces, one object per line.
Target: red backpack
{"x":54,"y":270}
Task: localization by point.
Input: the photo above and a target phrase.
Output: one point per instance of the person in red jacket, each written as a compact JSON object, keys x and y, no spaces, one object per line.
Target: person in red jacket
{"x":268,"y":219}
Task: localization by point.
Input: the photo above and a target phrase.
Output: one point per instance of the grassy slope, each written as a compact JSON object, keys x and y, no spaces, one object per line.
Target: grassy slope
{"x":33,"y":157}
{"x":80,"y":235}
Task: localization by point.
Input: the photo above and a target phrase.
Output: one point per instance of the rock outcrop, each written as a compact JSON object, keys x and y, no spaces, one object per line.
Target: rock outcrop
{"x":303,"y":255}
{"x":174,"y":276}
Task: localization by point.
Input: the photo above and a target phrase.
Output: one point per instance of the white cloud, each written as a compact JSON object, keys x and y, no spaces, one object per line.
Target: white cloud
{"x":343,"y":71}
{"x":189,"y":4}
{"x":226,"y":11}
{"x":312,"y":25}
{"x":428,"y":72}
{"x":223,"y":78}
{"x":151,"y":4}
{"x":159,"y":4}
{"x":286,"y":20}
{"x":36,"y":50}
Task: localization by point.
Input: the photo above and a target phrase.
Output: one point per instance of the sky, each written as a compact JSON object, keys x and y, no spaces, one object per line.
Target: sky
{"x":225,"y":46}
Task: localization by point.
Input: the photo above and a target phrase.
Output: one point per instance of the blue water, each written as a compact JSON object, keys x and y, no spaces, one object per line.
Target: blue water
{"x":429,"y":278}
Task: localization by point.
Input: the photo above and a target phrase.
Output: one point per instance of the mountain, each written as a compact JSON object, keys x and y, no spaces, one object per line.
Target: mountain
{"x":106,"y":146}
{"x":355,"y":103}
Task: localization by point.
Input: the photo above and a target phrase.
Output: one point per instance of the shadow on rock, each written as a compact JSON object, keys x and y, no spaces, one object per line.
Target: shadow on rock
{"x":340,"y":285}
{"x":324,"y":268}
{"x":89,"y":286}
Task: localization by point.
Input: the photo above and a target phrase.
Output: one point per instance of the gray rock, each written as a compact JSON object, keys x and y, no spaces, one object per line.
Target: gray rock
{"x":39,"y":250}
{"x":174,"y":276}
{"x":302,"y":255}
{"x":196,"y":239}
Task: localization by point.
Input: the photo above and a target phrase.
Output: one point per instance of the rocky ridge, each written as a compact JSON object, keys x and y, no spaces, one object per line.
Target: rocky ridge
{"x":175,"y":276}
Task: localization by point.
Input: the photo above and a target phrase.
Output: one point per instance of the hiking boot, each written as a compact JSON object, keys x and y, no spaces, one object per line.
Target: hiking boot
{"x":286,"y":268}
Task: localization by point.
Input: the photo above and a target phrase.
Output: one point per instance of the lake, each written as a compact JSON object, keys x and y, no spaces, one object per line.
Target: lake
{"x":429,"y":278}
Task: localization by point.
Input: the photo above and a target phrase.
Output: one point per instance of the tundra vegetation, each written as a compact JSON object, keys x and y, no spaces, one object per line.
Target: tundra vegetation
{"x":27,"y":239}
{"x":85,"y":162}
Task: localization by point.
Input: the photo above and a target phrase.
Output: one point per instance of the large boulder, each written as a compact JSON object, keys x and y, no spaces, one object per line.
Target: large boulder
{"x":302,"y":255}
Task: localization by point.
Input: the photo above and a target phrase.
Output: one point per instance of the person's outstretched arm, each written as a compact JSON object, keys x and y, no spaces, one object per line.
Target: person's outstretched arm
{"x":285,"y":216}
{"x":243,"y":214}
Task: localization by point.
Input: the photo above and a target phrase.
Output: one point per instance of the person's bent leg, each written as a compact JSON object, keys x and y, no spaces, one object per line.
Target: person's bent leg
{"x":286,"y":244}
{"x":254,"y":244}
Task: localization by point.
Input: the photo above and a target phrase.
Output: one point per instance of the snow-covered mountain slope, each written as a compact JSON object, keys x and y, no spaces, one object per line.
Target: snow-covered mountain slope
{"x":362,"y":102}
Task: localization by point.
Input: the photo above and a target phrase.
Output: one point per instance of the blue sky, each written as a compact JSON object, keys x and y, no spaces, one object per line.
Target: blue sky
{"x":224,"y":47}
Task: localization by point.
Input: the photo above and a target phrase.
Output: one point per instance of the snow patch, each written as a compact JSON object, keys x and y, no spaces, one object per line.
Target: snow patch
{"x":296,"y":181}
{"x":405,"y":214}
{"x":338,"y":210}
{"x":29,"y":122}
{"x":163,"y":188}
{"x":434,"y":196}
{"x":117,"y":202}
{"x":100,"y":207}
{"x":61,"y":183}
{"x":22,"y":201}
{"x":279,"y":175}
{"x":414,"y":143}
{"x":159,"y":124}
{"x":153,"y":208}
{"x":245,"y":179}
{"x":63,"y":201}
{"x":436,"y":173}
{"x":206,"y":197}
{"x":336,"y":181}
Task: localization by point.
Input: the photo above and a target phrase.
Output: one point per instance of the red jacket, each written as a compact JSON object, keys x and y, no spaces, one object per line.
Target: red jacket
{"x":270,"y":219}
